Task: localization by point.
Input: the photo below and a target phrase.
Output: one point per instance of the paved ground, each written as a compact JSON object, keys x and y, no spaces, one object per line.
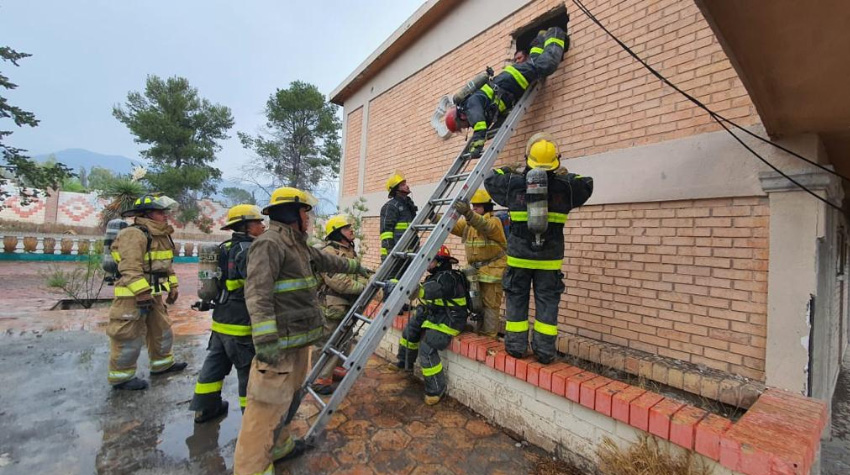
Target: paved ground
{"x":57,"y":414}
{"x":835,"y":453}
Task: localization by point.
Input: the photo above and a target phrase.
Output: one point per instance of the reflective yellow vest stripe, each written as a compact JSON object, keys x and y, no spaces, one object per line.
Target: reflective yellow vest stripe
{"x":410,"y":345}
{"x":301,"y":339}
{"x":442,"y":327}
{"x":488,"y":279}
{"x":384,"y":251}
{"x":138,"y":285}
{"x":499,"y":171}
{"x":231,"y":329}
{"x":233,"y":284}
{"x":553,"y":217}
{"x":481,"y":125}
{"x":209,"y":388}
{"x":401,"y":226}
{"x":557,"y":41}
{"x":387,"y":235}
{"x":491,"y":95}
{"x":432,"y":370}
{"x":545,"y":328}
{"x":459,"y":302}
{"x":264,"y":328}
{"x":516,"y":327}
{"x":518,"y":77}
{"x":149,"y":256}
{"x":534,"y":264}
{"x":288,"y":285}
{"x":536,"y":50}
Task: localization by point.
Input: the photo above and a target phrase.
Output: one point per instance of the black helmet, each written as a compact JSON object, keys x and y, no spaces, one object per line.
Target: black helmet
{"x":147,"y":203}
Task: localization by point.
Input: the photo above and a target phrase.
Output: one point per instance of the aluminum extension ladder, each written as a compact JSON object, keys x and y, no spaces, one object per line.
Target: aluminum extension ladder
{"x":411,"y":264}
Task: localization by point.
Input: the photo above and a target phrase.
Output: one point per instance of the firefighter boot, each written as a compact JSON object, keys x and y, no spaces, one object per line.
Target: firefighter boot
{"x":175,"y":368}
{"x":297,"y":451}
{"x":208,"y":415}
{"x":324,"y":386}
{"x":134,"y":384}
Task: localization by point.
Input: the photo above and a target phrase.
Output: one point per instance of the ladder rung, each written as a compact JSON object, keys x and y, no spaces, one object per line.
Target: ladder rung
{"x":340,"y":354}
{"x":441,"y":201}
{"x":362,"y":318}
{"x":405,"y":255}
{"x":425,"y":227}
{"x":316,"y":397}
{"x":458,"y":177}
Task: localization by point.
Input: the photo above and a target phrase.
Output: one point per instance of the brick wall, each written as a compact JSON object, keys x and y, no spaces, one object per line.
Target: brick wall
{"x":599,"y":99}
{"x":351,"y":165}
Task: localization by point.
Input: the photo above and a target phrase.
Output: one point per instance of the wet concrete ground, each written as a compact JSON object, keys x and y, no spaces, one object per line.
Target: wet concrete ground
{"x":58,"y":415}
{"x":835,"y":453}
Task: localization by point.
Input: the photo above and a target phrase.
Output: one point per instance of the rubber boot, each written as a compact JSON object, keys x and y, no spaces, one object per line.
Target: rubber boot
{"x":134,"y":384}
{"x":324,"y":386}
{"x":208,"y":415}
{"x":434,"y":400}
{"x":175,"y":368}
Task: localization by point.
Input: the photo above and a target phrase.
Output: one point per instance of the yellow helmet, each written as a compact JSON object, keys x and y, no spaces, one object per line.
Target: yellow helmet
{"x":394,"y":181}
{"x":336,"y":222}
{"x":481,"y":197}
{"x":541,"y":151}
{"x":240,"y":214}
{"x":287,"y":195}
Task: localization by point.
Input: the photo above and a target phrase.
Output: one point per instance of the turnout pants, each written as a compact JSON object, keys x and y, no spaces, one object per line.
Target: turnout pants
{"x":426,"y":344}
{"x":264,"y":437}
{"x":128,"y":330}
{"x":491,"y":294}
{"x":223,"y":353}
{"x":548,"y":287}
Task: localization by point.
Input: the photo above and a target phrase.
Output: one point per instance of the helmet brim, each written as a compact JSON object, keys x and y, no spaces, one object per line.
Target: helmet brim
{"x":532,"y":163}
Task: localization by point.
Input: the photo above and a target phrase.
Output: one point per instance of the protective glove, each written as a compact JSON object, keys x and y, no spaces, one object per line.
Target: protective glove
{"x":268,"y":352}
{"x":144,"y":302}
{"x":463,"y":208}
{"x":561,"y":171}
{"x":172,"y":296}
{"x":364,"y":271}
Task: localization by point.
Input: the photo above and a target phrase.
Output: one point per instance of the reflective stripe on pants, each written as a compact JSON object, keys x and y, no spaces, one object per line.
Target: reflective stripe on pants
{"x":548,"y":287}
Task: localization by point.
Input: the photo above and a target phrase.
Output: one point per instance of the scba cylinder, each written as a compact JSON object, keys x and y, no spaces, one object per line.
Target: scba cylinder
{"x":107,"y":263}
{"x":209,"y":273}
{"x":537,"y":203}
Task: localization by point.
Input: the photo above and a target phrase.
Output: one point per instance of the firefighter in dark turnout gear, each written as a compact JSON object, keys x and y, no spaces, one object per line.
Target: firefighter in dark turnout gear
{"x":495,"y":99}
{"x":441,"y":315}
{"x":527,"y":263}
{"x":337,"y":292}
{"x":396,"y":215}
{"x":230,"y":341}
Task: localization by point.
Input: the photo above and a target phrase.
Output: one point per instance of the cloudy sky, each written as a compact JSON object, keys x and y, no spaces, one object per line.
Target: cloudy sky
{"x":87,"y":54}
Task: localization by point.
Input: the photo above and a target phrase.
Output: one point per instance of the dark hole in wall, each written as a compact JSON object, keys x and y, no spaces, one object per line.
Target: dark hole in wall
{"x":524,"y":35}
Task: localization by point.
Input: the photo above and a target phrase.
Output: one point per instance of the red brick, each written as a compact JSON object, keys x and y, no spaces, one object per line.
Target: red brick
{"x":485,"y":349}
{"x":683,"y":426}
{"x":707,"y":436}
{"x":621,"y":402}
{"x":492,"y":353}
{"x":605,"y":394}
{"x":522,"y":367}
{"x":455,"y":347}
{"x":559,"y":380}
{"x":587,"y":391}
{"x":660,"y":416}
{"x":546,"y":373}
{"x":574,"y":384}
{"x":499,"y":360}
{"x":532,"y":375}
{"x":639,"y":409}
{"x":469,"y":346}
{"x":510,"y":365}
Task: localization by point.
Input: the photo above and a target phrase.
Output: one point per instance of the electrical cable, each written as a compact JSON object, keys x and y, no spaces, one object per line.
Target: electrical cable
{"x":714,"y":115}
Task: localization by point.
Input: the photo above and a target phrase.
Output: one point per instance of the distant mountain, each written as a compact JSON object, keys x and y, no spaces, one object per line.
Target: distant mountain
{"x":78,"y":157}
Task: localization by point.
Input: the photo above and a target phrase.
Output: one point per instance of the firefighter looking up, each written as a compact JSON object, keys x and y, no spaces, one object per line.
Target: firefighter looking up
{"x":483,"y":236}
{"x":144,"y":252}
{"x":280,"y":292}
{"x":396,"y":215}
{"x":494,"y":100}
{"x":230,"y":341}
{"x":337,"y":292}
{"x":440,"y":315}
{"x":538,"y":200}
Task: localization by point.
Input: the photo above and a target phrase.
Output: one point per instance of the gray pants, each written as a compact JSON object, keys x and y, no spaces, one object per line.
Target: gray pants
{"x":548,"y":287}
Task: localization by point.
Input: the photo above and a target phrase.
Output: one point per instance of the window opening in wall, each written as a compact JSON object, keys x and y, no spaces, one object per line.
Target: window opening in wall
{"x":524,"y":36}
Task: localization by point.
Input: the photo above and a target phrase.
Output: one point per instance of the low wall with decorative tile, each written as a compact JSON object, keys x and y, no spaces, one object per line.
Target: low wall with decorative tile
{"x":569,"y":411}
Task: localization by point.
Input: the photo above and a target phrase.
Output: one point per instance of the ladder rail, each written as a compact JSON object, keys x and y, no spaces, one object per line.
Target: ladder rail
{"x":408,"y":281}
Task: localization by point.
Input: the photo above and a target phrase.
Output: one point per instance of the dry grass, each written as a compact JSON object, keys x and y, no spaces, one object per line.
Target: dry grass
{"x":646,"y":457}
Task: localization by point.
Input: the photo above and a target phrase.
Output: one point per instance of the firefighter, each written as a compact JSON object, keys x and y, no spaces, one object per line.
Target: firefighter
{"x":536,"y":258}
{"x":280,"y":292}
{"x":337,"y":292}
{"x":495,"y":99}
{"x":230,"y":341}
{"x":396,"y":215}
{"x":441,"y":315}
{"x":484,"y":241}
{"x":144,"y":252}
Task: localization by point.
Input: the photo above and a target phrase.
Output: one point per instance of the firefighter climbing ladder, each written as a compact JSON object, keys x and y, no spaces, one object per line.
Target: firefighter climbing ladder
{"x":411,"y":265}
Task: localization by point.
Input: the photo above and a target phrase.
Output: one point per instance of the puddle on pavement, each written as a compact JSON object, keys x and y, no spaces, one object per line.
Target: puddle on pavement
{"x":182,"y":439}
